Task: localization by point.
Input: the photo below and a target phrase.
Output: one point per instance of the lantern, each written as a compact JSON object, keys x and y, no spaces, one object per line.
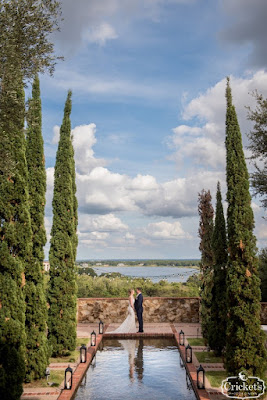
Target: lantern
{"x":101,"y":328}
{"x":181,"y":338}
{"x":83,"y":353}
{"x":188,"y":354}
{"x":47,"y":373}
{"x":68,"y":378}
{"x":93,"y":338}
{"x":200,"y":377}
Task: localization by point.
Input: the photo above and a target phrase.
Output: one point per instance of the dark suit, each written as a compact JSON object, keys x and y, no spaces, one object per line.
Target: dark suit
{"x":138,"y":305}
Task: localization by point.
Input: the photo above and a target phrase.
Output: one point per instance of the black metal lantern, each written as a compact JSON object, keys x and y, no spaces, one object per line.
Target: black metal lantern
{"x":93,"y":338}
{"x":188,"y":354}
{"x":101,"y":328}
{"x":47,"y":373}
{"x":83,"y":353}
{"x":68,"y":378}
{"x":181,"y":338}
{"x":200,"y":377}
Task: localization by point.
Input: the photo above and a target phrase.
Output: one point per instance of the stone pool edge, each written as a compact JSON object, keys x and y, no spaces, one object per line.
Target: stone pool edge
{"x":201,"y":394}
{"x":82,"y":368}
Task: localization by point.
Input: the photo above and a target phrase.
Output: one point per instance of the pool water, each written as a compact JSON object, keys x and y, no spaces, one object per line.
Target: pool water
{"x":148,"y":369}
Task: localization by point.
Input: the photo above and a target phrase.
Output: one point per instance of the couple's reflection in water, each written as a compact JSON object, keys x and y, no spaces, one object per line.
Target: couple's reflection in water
{"x":136,"y":358}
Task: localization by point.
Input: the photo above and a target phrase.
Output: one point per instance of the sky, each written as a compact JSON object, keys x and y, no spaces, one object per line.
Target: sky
{"x":148,"y":116}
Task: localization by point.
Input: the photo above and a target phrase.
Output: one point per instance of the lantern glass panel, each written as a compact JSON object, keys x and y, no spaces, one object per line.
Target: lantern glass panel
{"x":181,"y":338}
{"x":68,"y":378}
{"x":201,"y":377}
{"x":93,"y":338}
{"x":83,"y":353}
{"x":101,"y":327}
{"x":188,"y":354}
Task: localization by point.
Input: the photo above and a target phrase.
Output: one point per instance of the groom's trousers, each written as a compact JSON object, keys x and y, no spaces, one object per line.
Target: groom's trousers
{"x":140,"y":319}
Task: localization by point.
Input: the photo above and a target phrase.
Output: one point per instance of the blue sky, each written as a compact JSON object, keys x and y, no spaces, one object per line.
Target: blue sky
{"x":148,"y":82}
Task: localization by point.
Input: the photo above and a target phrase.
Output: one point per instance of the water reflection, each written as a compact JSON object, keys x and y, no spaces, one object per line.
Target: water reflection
{"x":139,"y":360}
{"x":130,"y":369}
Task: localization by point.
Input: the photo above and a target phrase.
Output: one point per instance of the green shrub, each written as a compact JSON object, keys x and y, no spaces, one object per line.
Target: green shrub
{"x":111,"y":285}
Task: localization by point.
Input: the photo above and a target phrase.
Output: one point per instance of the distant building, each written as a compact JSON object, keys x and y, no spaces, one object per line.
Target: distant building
{"x":120,"y":265}
{"x":46,"y":265}
{"x":98,"y":264}
{"x":84,"y":265}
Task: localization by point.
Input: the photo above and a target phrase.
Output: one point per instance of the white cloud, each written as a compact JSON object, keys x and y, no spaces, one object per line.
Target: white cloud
{"x":203,"y":143}
{"x":56,"y":133}
{"x":101,"y":223}
{"x":166,"y":231}
{"x":83,"y":141}
{"x":100,"y":34}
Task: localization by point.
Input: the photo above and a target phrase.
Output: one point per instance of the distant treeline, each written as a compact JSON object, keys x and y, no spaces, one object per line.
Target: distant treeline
{"x":145,"y":263}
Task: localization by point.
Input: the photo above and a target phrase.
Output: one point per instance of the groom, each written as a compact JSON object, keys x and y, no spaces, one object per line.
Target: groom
{"x":138,"y":305}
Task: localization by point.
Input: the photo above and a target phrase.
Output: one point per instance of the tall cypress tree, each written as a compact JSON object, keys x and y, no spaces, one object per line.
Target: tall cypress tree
{"x":206,"y":213}
{"x":15,"y":234}
{"x":218,"y":315}
{"x":245,"y":339}
{"x":75,"y":205}
{"x":62,"y":285}
{"x":36,"y":308}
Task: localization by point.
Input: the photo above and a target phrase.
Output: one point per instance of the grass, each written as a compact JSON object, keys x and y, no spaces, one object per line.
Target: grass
{"x":72,"y":356}
{"x":196,"y":341}
{"x":216,"y":377}
{"x":56,"y":376}
{"x":207,"y":357}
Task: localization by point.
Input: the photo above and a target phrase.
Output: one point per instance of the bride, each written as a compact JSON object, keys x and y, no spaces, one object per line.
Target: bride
{"x":128,"y":325}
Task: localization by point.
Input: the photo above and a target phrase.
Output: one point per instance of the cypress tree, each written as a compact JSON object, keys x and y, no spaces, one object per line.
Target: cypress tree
{"x":15,"y":234}
{"x":62,"y":285}
{"x":206,"y":213}
{"x":218,"y":316}
{"x":36,"y":308}
{"x":245,"y":339}
{"x":75,"y":205}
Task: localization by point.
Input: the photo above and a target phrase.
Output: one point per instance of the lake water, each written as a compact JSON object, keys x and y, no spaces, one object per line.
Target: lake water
{"x":148,"y":369}
{"x":171,"y":274}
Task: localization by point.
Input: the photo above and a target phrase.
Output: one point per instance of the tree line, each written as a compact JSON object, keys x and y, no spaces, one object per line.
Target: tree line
{"x":230,"y":283}
{"x":25,"y":347}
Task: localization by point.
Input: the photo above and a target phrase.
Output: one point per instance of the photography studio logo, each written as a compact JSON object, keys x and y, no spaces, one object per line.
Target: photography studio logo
{"x":243,"y":386}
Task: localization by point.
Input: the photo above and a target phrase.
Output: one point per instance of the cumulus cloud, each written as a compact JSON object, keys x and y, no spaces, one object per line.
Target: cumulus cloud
{"x":247,"y":26}
{"x":56,"y":133}
{"x":83,"y":141}
{"x":203,"y":142}
{"x":101,"y":223}
{"x":166,"y":231}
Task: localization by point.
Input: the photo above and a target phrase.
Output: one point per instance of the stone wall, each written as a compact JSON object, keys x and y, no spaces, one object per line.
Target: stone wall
{"x":156,"y":309}
{"x":264,"y":313}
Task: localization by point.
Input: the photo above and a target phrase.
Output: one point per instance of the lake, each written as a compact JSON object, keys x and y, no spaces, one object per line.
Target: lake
{"x":171,"y":274}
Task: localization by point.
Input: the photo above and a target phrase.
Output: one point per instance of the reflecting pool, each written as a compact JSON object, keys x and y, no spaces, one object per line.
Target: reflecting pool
{"x":149,"y":369}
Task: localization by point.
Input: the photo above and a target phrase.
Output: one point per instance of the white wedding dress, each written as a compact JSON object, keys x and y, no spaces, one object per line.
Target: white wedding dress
{"x":128,"y":325}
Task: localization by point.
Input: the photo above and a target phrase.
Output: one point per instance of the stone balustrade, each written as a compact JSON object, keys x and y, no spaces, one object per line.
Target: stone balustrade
{"x":156,"y":309}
